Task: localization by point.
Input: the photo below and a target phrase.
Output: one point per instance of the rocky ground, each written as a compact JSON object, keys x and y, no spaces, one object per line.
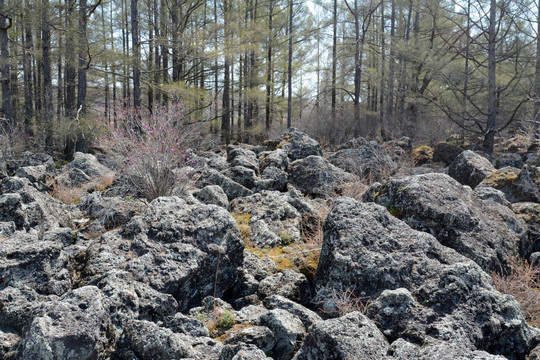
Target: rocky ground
{"x":262,"y":259}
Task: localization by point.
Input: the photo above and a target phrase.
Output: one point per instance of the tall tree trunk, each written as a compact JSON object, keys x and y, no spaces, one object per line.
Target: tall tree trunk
{"x":489,"y":135}
{"x":83,"y":49}
{"x":269,"y":65}
{"x":151,"y":84}
{"x":69,"y":77}
{"x":334,"y":63}
{"x":27,"y":70}
{"x":7,"y":110}
{"x":176,"y":62}
{"x":164,"y":46}
{"x":289,"y":66}
{"x":136,"y":54}
{"x":537,"y":80}
{"x":391,"y":62}
{"x":225,"y":118}
{"x":47,"y":79}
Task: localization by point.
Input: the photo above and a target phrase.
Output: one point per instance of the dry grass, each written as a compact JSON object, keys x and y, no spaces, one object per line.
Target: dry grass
{"x":242,"y":220}
{"x":72,"y":195}
{"x":341,"y":301}
{"x":523,"y":283}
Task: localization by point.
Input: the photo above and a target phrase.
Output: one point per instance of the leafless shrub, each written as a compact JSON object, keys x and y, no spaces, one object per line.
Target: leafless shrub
{"x":338,"y":302}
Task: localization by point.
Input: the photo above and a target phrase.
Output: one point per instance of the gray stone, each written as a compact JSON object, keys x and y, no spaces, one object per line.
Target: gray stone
{"x":288,"y":332}
{"x":469,"y":168}
{"x":296,"y":144}
{"x":485,"y":232}
{"x":489,"y":193}
{"x":41,"y":265}
{"x":37,"y":159}
{"x":508,"y":159}
{"x":38,"y":175}
{"x":212,"y":194}
{"x":352,"y":336}
{"x":174,"y":247}
{"x":286,"y":283}
{"x":369,"y":161}
{"x":238,"y":156}
{"x":530,"y":213}
{"x":260,"y":336}
{"x":84,"y":169}
{"x":7,"y":228}
{"x":277,"y":158}
{"x":447,"y":296}
{"x":184,"y":324}
{"x":273,"y":179}
{"x":314,"y":175}
{"x":109,"y":212}
{"x":145,"y":340}
{"x":305,"y":315}
{"x":446,"y":153}
{"x":230,"y":187}
{"x":18,"y":306}
{"x":242,"y":352}
{"x":74,"y":327}
{"x":242,"y":175}
{"x":8,"y":339}
{"x":273,"y":220}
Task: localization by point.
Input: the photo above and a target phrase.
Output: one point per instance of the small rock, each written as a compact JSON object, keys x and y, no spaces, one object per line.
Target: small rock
{"x":470,"y":168}
{"x":212,"y":194}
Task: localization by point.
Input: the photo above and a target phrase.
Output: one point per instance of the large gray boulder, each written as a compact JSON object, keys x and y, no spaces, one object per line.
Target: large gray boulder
{"x":352,"y":336}
{"x":74,"y":327}
{"x":451,"y":299}
{"x":296,"y":144}
{"x":229,"y":186}
{"x":188,"y":251}
{"x":485,"y":232}
{"x":442,"y":350}
{"x":272,"y":219}
{"x":238,"y":156}
{"x":530,"y":213}
{"x":83,"y":170}
{"x":145,"y":340}
{"x":242,"y":175}
{"x":288,"y":332}
{"x":369,"y":161}
{"x":469,"y":168}
{"x":38,"y":264}
{"x":314,"y":175}
{"x":277,"y":158}
{"x":212,"y":194}
{"x":31,"y":209}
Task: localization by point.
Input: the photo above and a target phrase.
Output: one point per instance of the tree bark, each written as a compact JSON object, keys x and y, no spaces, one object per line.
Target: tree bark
{"x":136,"y":54}
{"x":83,"y":49}
{"x":47,"y":80}
{"x":289,"y":67}
{"x":7,"y":110}
{"x":489,"y":136}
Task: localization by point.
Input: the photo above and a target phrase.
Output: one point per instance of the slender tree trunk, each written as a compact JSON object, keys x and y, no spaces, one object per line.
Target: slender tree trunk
{"x":47,"y":79}
{"x":27,"y":70}
{"x":289,"y":67}
{"x":70,"y":72}
{"x":489,"y":136}
{"x":7,"y":109}
{"x":403,"y":83}
{"x":176,"y":63}
{"x":83,"y":49}
{"x":59,"y":80}
{"x":537,"y":80}
{"x":334,"y":63}
{"x":164,"y":46}
{"x":269,"y":65}
{"x":151,"y":85}
{"x":391,"y":62}
{"x":225,"y":119}
{"x":136,"y":54}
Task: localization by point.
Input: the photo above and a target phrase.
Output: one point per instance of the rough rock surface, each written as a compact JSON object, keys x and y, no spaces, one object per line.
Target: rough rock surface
{"x":30,"y":209}
{"x":40,"y":265}
{"x":509,"y":159}
{"x":451,"y":299}
{"x":174,"y":247}
{"x":296,"y":144}
{"x":288,"y":332}
{"x":229,"y":186}
{"x":238,"y":156}
{"x":469,"y":168}
{"x":84,"y":169}
{"x":518,"y":185}
{"x":352,"y":336}
{"x":314,"y":175}
{"x":212,"y":194}
{"x":370,"y":161}
{"x":485,"y":232}
{"x":489,"y":193}
{"x":530,"y":213}
{"x":277,"y":158}
{"x":74,"y":327}
{"x":273,"y":219}
{"x":242,"y":175}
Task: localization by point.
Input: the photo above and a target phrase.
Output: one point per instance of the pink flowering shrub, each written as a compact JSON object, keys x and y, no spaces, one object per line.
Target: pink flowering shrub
{"x":150,"y":146}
